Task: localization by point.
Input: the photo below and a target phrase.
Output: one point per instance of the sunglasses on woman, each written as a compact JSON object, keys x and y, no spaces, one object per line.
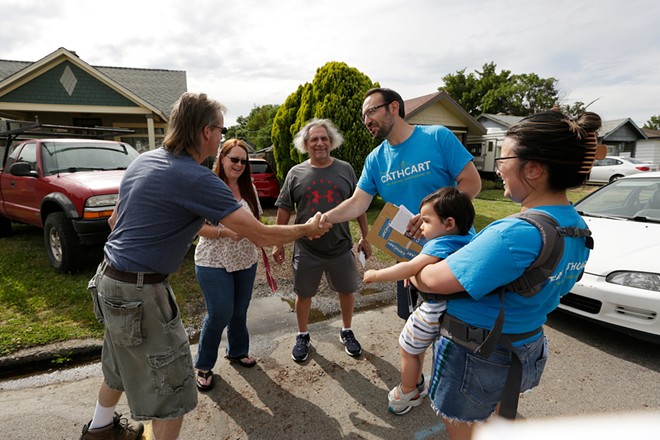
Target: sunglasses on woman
{"x":237,"y":160}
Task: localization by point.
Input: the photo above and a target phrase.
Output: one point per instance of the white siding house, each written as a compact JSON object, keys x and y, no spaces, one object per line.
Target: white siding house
{"x":649,"y":149}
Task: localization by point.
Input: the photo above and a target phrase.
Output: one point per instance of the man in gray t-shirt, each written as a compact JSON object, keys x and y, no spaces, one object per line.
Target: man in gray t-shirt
{"x":318,"y":185}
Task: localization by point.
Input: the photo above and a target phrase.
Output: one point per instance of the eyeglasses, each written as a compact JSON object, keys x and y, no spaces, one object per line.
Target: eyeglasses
{"x":237,"y":160}
{"x":372,"y":111}
{"x":498,"y":159}
{"x":223,"y":130}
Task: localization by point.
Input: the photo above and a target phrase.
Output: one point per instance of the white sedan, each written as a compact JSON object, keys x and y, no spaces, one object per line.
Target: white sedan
{"x":611,"y":168}
{"x":621,"y":282}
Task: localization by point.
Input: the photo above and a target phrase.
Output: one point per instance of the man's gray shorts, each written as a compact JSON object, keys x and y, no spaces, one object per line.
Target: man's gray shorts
{"x":340,"y":272}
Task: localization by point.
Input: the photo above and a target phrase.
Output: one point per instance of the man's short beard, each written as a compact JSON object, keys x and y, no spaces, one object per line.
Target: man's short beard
{"x":381,"y":134}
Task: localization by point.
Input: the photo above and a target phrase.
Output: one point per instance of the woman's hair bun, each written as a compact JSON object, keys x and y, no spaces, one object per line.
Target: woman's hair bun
{"x":589,"y":123}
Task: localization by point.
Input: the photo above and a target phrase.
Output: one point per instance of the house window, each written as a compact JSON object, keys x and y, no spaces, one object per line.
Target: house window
{"x":474,"y":149}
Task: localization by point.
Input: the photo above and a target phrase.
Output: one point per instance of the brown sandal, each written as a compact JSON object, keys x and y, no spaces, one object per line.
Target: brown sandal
{"x":206,"y":386}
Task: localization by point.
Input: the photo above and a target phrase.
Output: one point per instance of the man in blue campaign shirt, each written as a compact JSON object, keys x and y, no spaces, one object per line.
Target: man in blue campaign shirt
{"x":403,"y":174}
{"x":410,"y":163}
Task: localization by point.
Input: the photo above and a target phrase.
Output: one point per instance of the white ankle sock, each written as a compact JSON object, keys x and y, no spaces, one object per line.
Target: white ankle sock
{"x":102,"y":416}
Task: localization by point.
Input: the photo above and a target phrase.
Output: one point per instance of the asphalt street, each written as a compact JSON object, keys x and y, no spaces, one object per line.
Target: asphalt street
{"x":591,"y":371}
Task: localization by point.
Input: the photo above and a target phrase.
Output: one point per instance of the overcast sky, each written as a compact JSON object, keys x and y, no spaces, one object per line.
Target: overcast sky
{"x":255,"y":52}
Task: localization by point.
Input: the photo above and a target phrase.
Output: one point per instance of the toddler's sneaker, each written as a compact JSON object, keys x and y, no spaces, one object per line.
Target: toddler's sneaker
{"x":421,"y":388}
{"x":405,"y":402}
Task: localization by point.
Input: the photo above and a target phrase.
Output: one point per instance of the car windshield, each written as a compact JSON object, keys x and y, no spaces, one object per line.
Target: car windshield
{"x":62,"y":157}
{"x":635,"y":161}
{"x":259,"y":167}
{"x":632,"y":199}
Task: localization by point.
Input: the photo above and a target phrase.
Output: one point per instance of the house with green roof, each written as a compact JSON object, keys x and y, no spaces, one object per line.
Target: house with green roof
{"x":62,"y":89}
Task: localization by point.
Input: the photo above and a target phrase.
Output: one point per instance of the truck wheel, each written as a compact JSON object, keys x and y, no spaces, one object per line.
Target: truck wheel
{"x":5,"y":227}
{"x":62,"y":246}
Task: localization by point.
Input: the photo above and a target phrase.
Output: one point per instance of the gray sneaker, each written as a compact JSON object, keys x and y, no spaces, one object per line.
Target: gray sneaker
{"x":352,"y":346}
{"x":301,"y":349}
{"x":119,"y":429}
{"x":405,"y":402}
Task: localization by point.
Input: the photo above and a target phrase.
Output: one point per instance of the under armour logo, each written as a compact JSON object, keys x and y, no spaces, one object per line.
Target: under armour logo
{"x":328,"y":196}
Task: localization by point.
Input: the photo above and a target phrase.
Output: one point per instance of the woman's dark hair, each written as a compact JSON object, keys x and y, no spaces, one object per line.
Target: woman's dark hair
{"x":244,"y":180}
{"x":566,"y":146}
{"x":389,"y":96}
{"x":451,"y":202}
{"x":190,"y":114}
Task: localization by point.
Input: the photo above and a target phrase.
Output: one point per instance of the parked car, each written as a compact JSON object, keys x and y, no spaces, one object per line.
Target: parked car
{"x":621,"y":282}
{"x":69,"y":188}
{"x":611,"y":168}
{"x":265,"y":180}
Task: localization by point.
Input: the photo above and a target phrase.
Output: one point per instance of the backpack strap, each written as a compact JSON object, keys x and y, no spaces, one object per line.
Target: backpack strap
{"x":552,"y":248}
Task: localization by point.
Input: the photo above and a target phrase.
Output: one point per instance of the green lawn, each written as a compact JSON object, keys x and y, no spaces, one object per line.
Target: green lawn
{"x":39,"y":306}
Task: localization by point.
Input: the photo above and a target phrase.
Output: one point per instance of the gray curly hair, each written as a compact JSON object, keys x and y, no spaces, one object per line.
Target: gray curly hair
{"x":336,"y":138}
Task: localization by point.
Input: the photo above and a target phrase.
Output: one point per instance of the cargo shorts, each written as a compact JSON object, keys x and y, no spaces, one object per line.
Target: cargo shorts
{"x":146,"y":353}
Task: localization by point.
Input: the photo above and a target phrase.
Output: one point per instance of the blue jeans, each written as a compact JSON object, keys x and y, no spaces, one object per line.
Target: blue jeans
{"x":227,"y":296}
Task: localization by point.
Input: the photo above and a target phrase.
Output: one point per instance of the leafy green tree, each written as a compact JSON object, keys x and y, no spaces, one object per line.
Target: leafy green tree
{"x":488,"y":91}
{"x":336,"y":93}
{"x":574,"y":110}
{"x":256,"y":127}
{"x":532,"y":94}
{"x":653,"y":123}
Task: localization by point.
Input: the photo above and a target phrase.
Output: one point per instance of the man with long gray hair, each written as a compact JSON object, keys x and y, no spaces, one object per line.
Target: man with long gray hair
{"x":317,"y":185}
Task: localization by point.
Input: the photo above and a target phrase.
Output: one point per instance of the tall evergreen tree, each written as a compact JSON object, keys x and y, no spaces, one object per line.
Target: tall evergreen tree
{"x":335,"y":93}
{"x":282,"y":134}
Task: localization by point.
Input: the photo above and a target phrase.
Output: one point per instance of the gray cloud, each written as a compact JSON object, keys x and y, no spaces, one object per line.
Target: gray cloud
{"x":256,"y":52}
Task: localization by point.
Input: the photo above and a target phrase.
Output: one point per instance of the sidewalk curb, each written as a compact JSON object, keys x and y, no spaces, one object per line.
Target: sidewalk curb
{"x":43,"y":358}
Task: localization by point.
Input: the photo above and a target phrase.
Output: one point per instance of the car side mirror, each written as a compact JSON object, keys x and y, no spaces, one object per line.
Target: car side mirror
{"x":22,"y":169}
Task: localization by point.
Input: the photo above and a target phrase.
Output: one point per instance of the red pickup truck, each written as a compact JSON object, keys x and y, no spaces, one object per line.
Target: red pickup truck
{"x":69,"y":187}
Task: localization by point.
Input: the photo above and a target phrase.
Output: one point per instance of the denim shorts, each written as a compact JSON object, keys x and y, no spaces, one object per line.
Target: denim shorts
{"x":466,"y":387}
{"x":146,"y":352}
{"x":340,"y":272}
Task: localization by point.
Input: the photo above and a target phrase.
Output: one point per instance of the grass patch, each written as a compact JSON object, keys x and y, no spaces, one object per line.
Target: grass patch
{"x":39,"y":306}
